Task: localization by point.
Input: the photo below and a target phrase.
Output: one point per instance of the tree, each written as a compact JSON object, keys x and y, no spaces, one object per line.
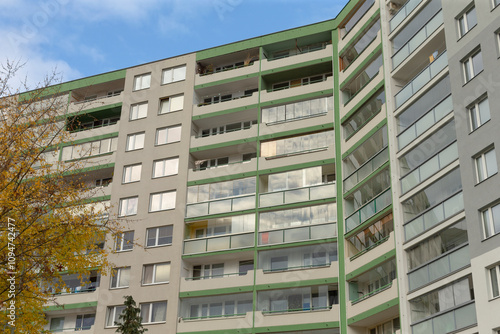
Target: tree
{"x":130,"y":320}
{"x":48,"y":223}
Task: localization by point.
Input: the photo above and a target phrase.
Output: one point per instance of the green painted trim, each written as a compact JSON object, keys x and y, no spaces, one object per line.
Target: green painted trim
{"x":378,"y":261}
{"x":89,"y":169}
{"x":69,"y":306}
{"x":298,"y":204}
{"x":213,"y":292}
{"x":293,"y":328}
{"x":368,"y":222}
{"x":224,"y":144}
{"x":360,"y":32}
{"x":229,"y":251}
{"x":97,"y":199}
{"x":222,"y":178}
{"x":296,"y":284}
{"x":363,"y":64}
{"x":328,"y":126}
{"x":225,"y":81}
{"x":295,"y":66}
{"x":224,"y":112}
{"x":368,"y":96}
{"x":373,"y":311}
{"x":366,"y":179}
{"x":225,"y":331}
{"x":296,"y":244}
{"x":364,"y":138}
{"x":93,"y":110}
{"x":296,"y":166}
{"x":294,"y":98}
{"x":90,"y":139}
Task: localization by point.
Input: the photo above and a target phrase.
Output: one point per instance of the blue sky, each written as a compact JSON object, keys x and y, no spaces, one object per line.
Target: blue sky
{"x":80,"y":38}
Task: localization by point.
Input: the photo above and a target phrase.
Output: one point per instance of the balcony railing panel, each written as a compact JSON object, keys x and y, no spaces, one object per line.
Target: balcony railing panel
{"x":301,"y":233}
{"x":403,"y":13}
{"x":368,"y":210}
{"x":368,"y":167}
{"x":448,"y":322}
{"x":220,"y":206}
{"x":223,"y":242}
{"x":297,"y":195}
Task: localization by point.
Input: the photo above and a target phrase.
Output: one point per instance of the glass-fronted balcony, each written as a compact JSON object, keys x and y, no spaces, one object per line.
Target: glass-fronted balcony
{"x":221,"y":206}
{"x":403,"y":13}
{"x":372,"y":282}
{"x":366,"y":169}
{"x":297,"y":195}
{"x":448,"y":322}
{"x":296,"y":234}
{"x":368,"y":210}
{"x":351,"y":89}
{"x":218,"y":243}
{"x":356,"y":49}
{"x":303,"y":257}
{"x":360,"y":12}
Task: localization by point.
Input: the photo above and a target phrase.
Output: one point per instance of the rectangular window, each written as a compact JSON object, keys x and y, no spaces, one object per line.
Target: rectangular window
{"x":472,"y":65}
{"x":168,"y":135}
{"x":491,"y":220}
{"x":495,"y":281}
{"x":135,"y":141}
{"x":479,"y":114}
{"x":113,"y":315}
{"x":159,"y":236}
{"x":153,"y":312}
{"x":173,"y":74}
{"x":124,"y":241}
{"x":171,"y":104}
{"x":486,"y":165}
{"x":138,"y":110}
{"x":84,"y":322}
{"x":132,"y":173}
{"x":156,"y":273}
{"x":128,"y":206}
{"x":165,"y":167}
{"x":120,"y":277}
{"x":466,"y":21}
{"x":142,"y":81}
{"x":245,"y":266}
{"x":162,"y":201}
{"x":57,"y":324}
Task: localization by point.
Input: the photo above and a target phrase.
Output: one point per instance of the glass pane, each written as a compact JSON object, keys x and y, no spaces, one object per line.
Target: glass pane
{"x":465,"y":316}
{"x":324,"y":231}
{"x":494,"y":282}
{"x":297,"y":234}
{"x":439,"y":268}
{"x":272,"y":237}
{"x":321,"y":192}
{"x":444,"y":323}
{"x":243,"y":203}
{"x":220,"y":243}
{"x":297,"y":195}
{"x":495,"y":211}
{"x":194,"y":246}
{"x":418,"y":278}
{"x":162,"y":273}
{"x":271,"y":199}
{"x":220,"y":206}
{"x":459,"y":259}
{"x":239,"y":241}
{"x":197,"y":210}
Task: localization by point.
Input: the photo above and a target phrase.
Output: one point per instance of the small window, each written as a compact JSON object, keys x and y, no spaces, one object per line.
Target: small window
{"x":124,"y":241}
{"x":486,"y":165}
{"x":479,"y":114}
{"x":162,"y":201}
{"x":113,"y":315}
{"x":159,"y":236}
{"x":472,"y":66}
{"x":135,"y":141}
{"x":495,"y":281}
{"x":168,"y":135}
{"x":132,"y":173}
{"x":171,"y":104}
{"x":128,"y":206}
{"x":154,"y":312}
{"x":156,"y":273}
{"x":138,"y":110}
{"x":208,"y":271}
{"x":165,"y":167}
{"x":120,"y":277}
{"x":173,"y":74}
{"x":84,"y":321}
{"x":57,"y":324}
{"x":245,"y":266}
{"x":466,"y":21}
{"x":491,"y":220}
{"x":142,"y":81}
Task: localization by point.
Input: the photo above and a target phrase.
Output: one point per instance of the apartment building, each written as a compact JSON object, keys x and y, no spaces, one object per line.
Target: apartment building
{"x":339,"y":177}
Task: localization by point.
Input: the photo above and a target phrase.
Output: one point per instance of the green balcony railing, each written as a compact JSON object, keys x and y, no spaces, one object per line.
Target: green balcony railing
{"x":371,"y":293}
{"x":366,"y":169}
{"x":448,"y":322}
{"x":403,"y":13}
{"x":368,"y":210}
{"x":301,"y":233}
{"x":322,"y":191}
{"x":221,"y":206}
{"x":217,"y":243}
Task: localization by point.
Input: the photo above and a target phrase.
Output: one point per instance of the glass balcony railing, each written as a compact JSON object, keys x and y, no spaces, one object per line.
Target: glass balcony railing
{"x":434,"y":216}
{"x":366,"y":169}
{"x":430,"y":167}
{"x":301,"y":233}
{"x":311,"y":193}
{"x":434,"y":23}
{"x":439,"y":267}
{"x":221,"y":206}
{"x":403,"y":13}
{"x":421,"y":79}
{"x":368,"y":210}
{"x":448,"y":322}
{"x":217,"y":243}
{"x":425,"y":122}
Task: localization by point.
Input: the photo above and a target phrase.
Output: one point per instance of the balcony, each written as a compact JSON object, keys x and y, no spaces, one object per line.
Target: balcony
{"x":372,"y":84}
{"x":295,"y":274}
{"x":448,"y":322}
{"x":364,"y":304}
{"x":232,"y":204}
{"x":237,"y":167}
{"x":368,"y":210}
{"x":88,"y":330}
{"x":322,"y":50}
{"x":433,"y":216}
{"x":296,"y":234}
{"x":366,"y":10}
{"x":365,"y":53}
{"x":226,"y":104}
{"x":429,"y":168}
{"x":297,"y":317}
{"x":403,"y":13}
{"x":227,"y":73}
{"x":218,"y":243}
{"x":230,"y":280}
{"x":215,"y":324}
{"x":325,"y":84}
{"x":97,"y":131}
{"x":95,"y":102}
{"x":83,"y":294}
{"x":223,"y":137}
{"x":366,"y":169}
{"x":369,"y":254}
{"x":322,"y":191}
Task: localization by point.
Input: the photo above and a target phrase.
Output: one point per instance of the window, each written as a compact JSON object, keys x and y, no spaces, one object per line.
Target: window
{"x":153,"y":312}
{"x":168,"y":135}
{"x":57,"y":324}
{"x":466,"y":21}
{"x":495,"y":281}
{"x":159,"y":236}
{"x":132,"y":173}
{"x":171,"y":104}
{"x":120,"y":277}
{"x":165,"y":167}
{"x":208,"y":271}
{"x":473,"y":65}
{"x":135,"y":141}
{"x":491,"y":220}
{"x":124,"y":241}
{"x":113,"y":314}
{"x":84,"y":321}
{"x":128,"y":206}
{"x":142,"y":81}
{"x":486,"y":165}
{"x":162,"y":201}
{"x":89,"y":149}
{"x":173,"y":74}
{"x":479,"y":114}
{"x":156,"y":273}
{"x":139,"y":110}
{"x":245,"y":266}
{"x":279,"y":263}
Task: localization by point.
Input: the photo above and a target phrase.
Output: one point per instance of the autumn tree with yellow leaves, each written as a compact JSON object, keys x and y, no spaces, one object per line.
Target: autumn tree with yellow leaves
{"x":48,"y":224}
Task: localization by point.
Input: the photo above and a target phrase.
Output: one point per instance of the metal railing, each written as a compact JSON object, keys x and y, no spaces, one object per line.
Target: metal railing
{"x":197,"y":278}
{"x":309,"y":82}
{"x":310,"y":193}
{"x":223,"y":242}
{"x":299,"y":233}
{"x":98,"y":98}
{"x":305,"y":308}
{"x":368,"y":210}
{"x":230,"y":204}
{"x":295,"y":52}
{"x":366,"y":169}
{"x":310,"y":266}
{"x":371,"y":293}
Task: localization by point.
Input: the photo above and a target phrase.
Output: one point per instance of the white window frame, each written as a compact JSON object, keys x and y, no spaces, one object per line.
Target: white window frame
{"x":122,"y":243}
{"x":475,"y":113}
{"x":138,"y":111}
{"x":132,"y":173}
{"x":142,"y":81}
{"x":157,"y":234}
{"x":171,"y":104}
{"x":482,"y":167}
{"x":468,"y":66}
{"x":160,"y":166}
{"x":496,"y":269}
{"x":150,"y":313}
{"x":168,"y":75}
{"x":118,"y":272}
{"x":465,"y":19}
{"x":153,"y":277}
{"x":489,"y":224}
{"x":113,"y":315}
{"x":135,"y":141}
{"x":167,"y":139}
{"x":123,"y":210}
{"x":170,"y":205}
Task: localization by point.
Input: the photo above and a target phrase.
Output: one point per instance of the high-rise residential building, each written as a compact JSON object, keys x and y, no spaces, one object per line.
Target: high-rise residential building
{"x":340,"y":177}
